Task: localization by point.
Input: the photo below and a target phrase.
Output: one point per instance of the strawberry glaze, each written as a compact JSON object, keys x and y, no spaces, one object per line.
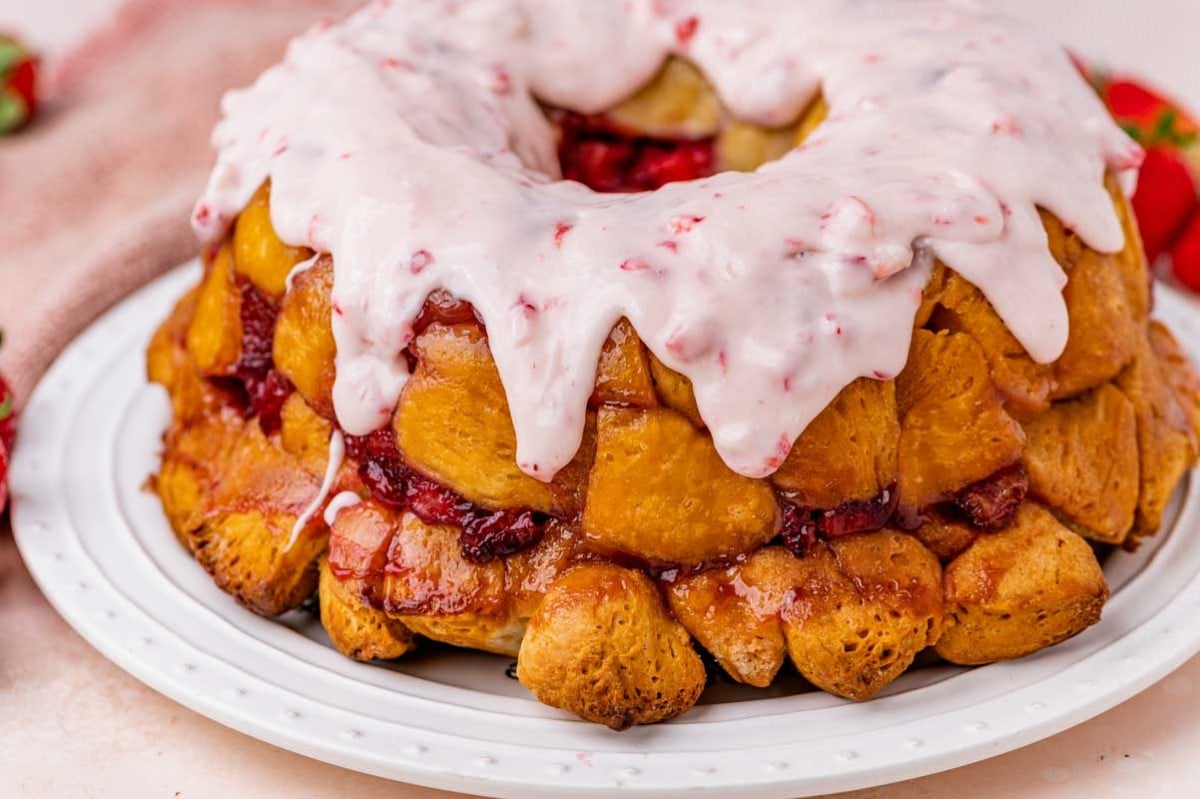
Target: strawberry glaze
{"x":413,"y":134}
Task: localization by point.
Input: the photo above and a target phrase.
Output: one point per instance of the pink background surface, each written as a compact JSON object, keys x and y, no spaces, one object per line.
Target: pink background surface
{"x":72,"y":724}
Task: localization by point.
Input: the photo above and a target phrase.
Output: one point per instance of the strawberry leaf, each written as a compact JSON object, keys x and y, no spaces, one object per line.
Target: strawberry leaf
{"x":11,"y":54}
{"x":6,"y":408}
{"x":1166,"y":124}
{"x":13,"y":111}
{"x":1134,"y":132}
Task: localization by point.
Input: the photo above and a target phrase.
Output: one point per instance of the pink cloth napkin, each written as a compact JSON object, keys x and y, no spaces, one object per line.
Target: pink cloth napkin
{"x":95,"y":197}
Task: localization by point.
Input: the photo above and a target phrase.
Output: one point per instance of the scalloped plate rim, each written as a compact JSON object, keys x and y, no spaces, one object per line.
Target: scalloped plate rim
{"x":76,"y":584}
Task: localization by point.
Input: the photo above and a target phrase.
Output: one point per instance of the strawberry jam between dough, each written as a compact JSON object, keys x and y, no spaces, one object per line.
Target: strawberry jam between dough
{"x":486,"y":534}
{"x":418,"y":155}
{"x":608,"y":160}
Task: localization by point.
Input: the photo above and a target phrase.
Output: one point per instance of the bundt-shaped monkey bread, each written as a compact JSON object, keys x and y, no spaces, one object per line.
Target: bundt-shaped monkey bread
{"x":955,"y":503}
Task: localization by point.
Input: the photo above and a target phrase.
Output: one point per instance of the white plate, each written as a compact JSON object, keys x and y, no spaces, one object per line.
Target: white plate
{"x":99,"y":547}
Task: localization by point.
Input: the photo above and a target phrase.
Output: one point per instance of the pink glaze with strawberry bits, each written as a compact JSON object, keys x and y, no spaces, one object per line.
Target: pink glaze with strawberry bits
{"x":410,"y":135}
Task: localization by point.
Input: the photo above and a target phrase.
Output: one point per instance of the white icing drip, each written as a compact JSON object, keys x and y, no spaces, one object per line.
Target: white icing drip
{"x":299,"y":269}
{"x":337,"y":452}
{"x":346,"y":499}
{"x":406,"y":142}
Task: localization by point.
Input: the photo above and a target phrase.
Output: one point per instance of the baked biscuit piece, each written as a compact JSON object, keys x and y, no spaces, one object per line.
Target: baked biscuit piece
{"x":678,"y":102}
{"x":214,"y":335}
{"x":1179,"y":371}
{"x":1103,"y":321}
{"x":954,"y":430}
{"x":358,"y":630}
{"x":1166,"y":442}
{"x":258,"y":254}
{"x":945,"y":535}
{"x":1082,"y":462}
{"x":852,"y":614}
{"x":1019,"y":590}
{"x":733,"y":613}
{"x":862,"y":609}
{"x":660,"y":492}
{"x":675,"y":391}
{"x":848,"y":453}
{"x":305,"y":434}
{"x":303,"y":348}
{"x":1024,"y":383}
{"x":453,"y":426}
{"x":623,"y":375}
{"x":232,"y":496}
{"x":603,"y":646}
{"x":416,"y":573}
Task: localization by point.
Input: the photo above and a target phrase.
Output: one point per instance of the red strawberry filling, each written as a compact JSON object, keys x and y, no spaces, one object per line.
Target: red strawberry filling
{"x":266,"y":389}
{"x":486,"y":534}
{"x":991,"y":503}
{"x":442,"y":308}
{"x":803,"y":527}
{"x":606,"y":159}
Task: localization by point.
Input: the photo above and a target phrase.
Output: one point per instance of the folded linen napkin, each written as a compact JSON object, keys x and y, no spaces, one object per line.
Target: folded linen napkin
{"x":95,"y":197}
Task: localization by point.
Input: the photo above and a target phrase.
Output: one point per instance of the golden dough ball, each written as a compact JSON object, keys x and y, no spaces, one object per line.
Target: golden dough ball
{"x":602,"y":645}
{"x":1019,"y":590}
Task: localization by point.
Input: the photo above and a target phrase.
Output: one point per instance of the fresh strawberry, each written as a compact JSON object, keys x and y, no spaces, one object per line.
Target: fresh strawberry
{"x":1185,"y":256}
{"x":1165,"y":199}
{"x":3,"y":477}
{"x":1147,"y":116}
{"x":8,"y":416}
{"x":8,"y":412}
{"x":18,"y":84}
{"x":8,"y":432}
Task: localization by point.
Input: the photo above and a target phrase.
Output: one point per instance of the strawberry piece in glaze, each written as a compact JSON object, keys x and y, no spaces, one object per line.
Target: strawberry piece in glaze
{"x":991,"y":503}
{"x":803,"y":526}
{"x":607,"y":159}
{"x":266,"y":388}
{"x":486,"y":534}
{"x":798,"y":530}
{"x":497,"y":535}
{"x":659,"y":164}
{"x":444,"y":309}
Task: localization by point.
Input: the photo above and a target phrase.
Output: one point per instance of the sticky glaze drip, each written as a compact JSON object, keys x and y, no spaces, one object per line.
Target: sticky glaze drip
{"x":298,"y":270}
{"x":337,"y":453}
{"x":406,"y":141}
{"x":344,"y":500}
